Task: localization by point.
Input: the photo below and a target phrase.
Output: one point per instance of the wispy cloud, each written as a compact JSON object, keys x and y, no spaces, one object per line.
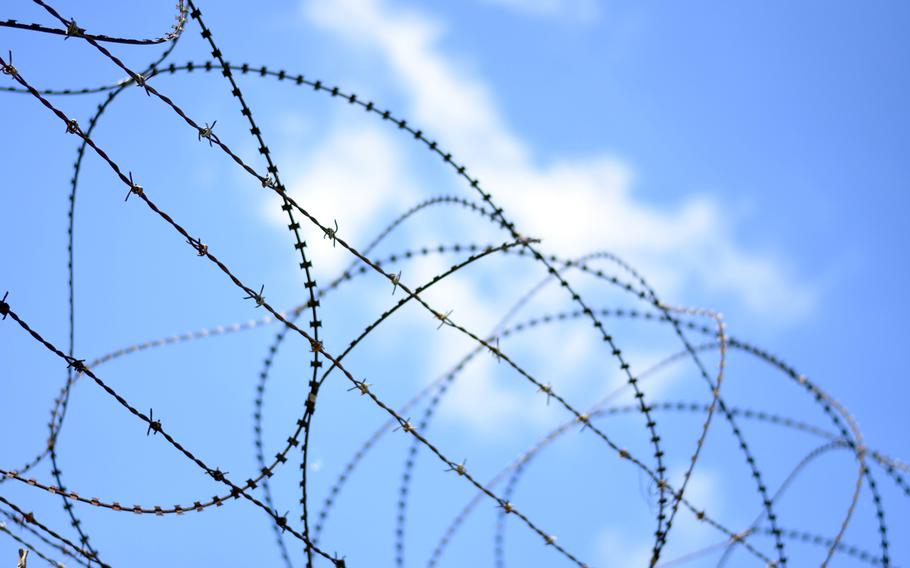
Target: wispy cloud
{"x":620,"y":544}
{"x":576,"y":204}
{"x":354,"y":176}
{"x":592,"y":197}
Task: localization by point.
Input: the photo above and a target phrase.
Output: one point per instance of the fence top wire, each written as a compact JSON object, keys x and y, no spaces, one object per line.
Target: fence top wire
{"x":760,"y":496}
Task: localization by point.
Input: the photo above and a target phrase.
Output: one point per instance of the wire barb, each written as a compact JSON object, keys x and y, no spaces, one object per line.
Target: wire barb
{"x":585,"y":420}
{"x":7,"y":68}
{"x":487,"y":209}
{"x":443,"y":318}
{"x":548,"y":389}
{"x":496,"y":351}
{"x":202,"y":249}
{"x":77,"y":365}
{"x":154,"y":425}
{"x":406,"y":426}
{"x":269,"y":182}
{"x":282,"y":521}
{"x":259,"y":298}
{"x":206,"y":132}
{"x":73,"y":30}
{"x":362,"y":386}
{"x":331,"y":233}
{"x":135,"y":188}
{"x":396,"y":279}
{"x":142,"y":82}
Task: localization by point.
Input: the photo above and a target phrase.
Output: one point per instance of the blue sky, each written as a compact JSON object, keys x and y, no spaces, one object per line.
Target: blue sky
{"x":749,"y":159}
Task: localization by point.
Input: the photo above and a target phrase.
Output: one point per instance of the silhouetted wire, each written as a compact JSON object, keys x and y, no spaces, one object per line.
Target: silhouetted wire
{"x":670,"y":496}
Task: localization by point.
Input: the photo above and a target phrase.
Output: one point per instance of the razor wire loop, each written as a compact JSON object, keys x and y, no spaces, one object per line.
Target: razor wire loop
{"x":658,"y":453}
{"x":238,"y":283}
{"x":859,"y":448}
{"x":690,"y":326}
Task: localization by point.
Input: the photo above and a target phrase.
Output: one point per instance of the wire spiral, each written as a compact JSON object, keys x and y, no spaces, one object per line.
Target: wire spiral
{"x":700,"y":336}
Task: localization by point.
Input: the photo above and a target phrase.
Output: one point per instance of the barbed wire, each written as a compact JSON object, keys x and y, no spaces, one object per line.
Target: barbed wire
{"x":671,"y":496}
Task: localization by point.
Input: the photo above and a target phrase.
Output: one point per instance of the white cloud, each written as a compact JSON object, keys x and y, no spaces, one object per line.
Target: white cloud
{"x":576,"y":204}
{"x":444,"y":99}
{"x":626,"y":542}
{"x":352,"y":176}
{"x":614,"y":543}
{"x":486,"y":406}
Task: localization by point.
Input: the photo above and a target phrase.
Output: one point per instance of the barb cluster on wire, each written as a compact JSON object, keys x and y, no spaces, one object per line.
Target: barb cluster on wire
{"x":766,"y":540}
